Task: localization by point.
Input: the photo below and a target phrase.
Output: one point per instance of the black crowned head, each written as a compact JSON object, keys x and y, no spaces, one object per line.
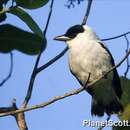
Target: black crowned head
{"x":71,"y":33}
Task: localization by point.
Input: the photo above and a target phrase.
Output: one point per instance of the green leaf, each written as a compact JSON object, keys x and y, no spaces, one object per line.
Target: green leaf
{"x":12,"y":38}
{"x":126,"y":114}
{"x":25,"y":17}
{"x":31,"y":4}
{"x":125,"y":83}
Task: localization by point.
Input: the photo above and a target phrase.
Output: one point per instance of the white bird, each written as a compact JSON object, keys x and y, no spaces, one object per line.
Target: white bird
{"x":89,"y":56}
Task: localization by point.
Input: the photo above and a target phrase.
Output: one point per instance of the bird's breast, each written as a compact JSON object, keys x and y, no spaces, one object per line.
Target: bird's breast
{"x":86,"y":60}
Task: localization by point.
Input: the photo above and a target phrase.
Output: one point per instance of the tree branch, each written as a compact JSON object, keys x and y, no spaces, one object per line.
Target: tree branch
{"x":34,"y":74}
{"x":127,"y":61}
{"x":19,"y":117}
{"x":48,"y":20}
{"x":87,"y":12}
{"x":112,"y":38}
{"x":57,"y":98}
{"x":52,"y":60}
{"x":10,"y":71}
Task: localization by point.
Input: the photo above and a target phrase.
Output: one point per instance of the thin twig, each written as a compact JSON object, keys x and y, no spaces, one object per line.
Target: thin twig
{"x":52,"y":60}
{"x":10,"y":71}
{"x":74,"y":92}
{"x":127,"y":61}
{"x":111,"y":38}
{"x":48,"y":20}
{"x":42,"y":105}
{"x":87,"y":12}
{"x":34,"y":74}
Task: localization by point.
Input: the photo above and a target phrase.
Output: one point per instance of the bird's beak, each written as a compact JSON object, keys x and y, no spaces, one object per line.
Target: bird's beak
{"x":62,"y":38}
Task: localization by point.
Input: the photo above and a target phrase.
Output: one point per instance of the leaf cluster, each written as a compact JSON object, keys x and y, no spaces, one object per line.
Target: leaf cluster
{"x":14,"y":38}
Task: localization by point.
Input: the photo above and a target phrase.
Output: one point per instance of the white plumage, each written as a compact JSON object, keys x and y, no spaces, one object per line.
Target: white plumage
{"x":87,"y":55}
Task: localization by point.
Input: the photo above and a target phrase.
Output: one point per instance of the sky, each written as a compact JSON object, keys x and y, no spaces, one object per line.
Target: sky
{"x":107,"y":18}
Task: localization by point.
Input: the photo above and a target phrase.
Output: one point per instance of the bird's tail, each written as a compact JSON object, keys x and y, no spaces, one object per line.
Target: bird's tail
{"x":98,"y":108}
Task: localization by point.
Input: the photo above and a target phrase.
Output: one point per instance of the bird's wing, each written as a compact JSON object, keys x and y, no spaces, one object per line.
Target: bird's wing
{"x":116,"y":80}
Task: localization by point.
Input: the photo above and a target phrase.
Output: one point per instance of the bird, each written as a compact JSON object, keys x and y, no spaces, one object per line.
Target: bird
{"x":89,"y":56}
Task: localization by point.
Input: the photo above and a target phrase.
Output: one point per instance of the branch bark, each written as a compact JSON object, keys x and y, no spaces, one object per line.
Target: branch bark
{"x":19,"y":117}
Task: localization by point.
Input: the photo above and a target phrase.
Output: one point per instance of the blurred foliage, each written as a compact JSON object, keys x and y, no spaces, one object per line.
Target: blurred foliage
{"x":125,"y":99}
{"x":26,"y":18}
{"x":126,"y":103}
{"x":31,"y":4}
{"x":12,"y":38}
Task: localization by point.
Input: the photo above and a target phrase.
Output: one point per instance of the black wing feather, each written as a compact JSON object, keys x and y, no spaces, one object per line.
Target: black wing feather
{"x":116,"y":80}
